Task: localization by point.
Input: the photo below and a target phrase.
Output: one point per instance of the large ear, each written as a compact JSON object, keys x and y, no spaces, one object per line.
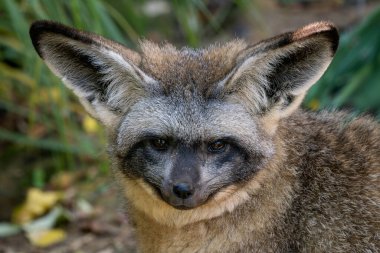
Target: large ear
{"x":102,"y":73}
{"x":272,"y":77}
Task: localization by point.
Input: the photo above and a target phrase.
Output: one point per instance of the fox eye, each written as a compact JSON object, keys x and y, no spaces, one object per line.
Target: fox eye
{"x":159,"y":144}
{"x":217,"y":146}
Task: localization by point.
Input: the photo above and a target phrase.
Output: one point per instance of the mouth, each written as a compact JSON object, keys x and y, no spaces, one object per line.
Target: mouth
{"x":183,"y":207}
{"x":192,"y":204}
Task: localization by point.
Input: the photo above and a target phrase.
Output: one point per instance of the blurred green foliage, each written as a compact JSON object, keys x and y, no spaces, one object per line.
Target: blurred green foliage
{"x":43,"y":128}
{"x":353,"y":78}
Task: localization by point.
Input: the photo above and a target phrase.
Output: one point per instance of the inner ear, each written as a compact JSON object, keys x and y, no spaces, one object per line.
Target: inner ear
{"x":275,"y":74}
{"x":89,"y":78}
{"x":104,"y":81}
{"x":103,"y":74}
{"x":292,"y":74}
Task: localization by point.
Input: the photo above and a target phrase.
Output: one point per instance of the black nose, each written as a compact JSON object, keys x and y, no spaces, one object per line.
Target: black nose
{"x":183,"y":190}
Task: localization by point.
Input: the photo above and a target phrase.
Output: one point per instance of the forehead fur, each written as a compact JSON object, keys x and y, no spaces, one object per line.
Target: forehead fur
{"x":186,"y":66}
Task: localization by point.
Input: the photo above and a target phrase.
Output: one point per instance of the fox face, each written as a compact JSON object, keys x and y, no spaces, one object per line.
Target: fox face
{"x":188,"y":127}
{"x":188,"y":149}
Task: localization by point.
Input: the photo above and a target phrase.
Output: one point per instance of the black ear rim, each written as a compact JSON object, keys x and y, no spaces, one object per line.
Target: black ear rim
{"x":41,"y":27}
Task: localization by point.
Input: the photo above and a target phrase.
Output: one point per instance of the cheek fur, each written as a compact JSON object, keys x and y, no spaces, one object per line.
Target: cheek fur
{"x":138,"y":160}
{"x":229,"y":168}
{"x":145,"y":163}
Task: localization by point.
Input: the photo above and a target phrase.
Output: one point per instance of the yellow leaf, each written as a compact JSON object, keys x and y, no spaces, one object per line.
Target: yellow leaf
{"x":37,"y":203}
{"x":314,"y":104}
{"x":47,"y":237}
{"x":90,"y":125}
{"x":55,"y":94}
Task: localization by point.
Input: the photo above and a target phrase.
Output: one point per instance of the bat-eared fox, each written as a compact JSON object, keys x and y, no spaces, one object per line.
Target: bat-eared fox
{"x":210,"y":149}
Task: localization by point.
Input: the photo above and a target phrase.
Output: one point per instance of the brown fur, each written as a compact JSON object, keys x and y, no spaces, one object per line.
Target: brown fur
{"x":313,"y":181}
{"x":201,"y":68}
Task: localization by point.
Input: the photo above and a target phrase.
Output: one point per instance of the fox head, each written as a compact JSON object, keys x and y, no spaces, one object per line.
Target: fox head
{"x":187,"y":127}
